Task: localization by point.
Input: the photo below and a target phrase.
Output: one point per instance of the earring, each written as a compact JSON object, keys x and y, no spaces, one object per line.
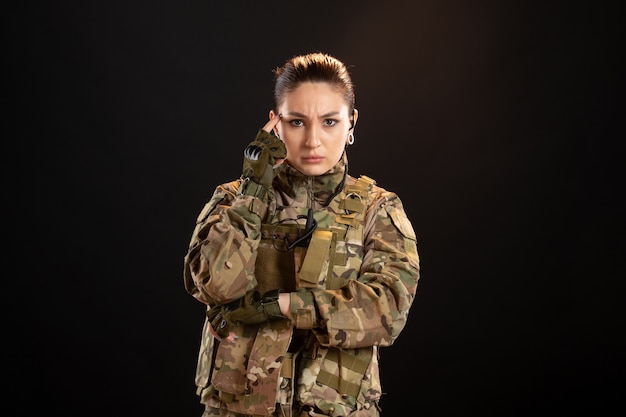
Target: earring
{"x":276,"y":134}
{"x":350,"y":138}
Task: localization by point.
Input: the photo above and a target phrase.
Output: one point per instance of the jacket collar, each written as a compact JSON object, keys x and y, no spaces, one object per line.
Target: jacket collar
{"x":294,"y":185}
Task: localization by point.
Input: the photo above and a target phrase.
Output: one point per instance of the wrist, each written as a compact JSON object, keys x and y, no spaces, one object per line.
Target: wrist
{"x":250,"y":187}
{"x":284,"y":302}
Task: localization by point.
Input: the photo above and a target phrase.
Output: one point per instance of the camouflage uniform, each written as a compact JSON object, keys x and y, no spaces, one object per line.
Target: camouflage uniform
{"x":351,"y":290}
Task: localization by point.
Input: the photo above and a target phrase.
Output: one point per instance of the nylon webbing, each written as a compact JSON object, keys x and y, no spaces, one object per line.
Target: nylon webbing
{"x":341,"y":386}
{"x":347,"y":360}
{"x":343,"y":360}
{"x":353,"y":205}
{"x":286,"y":371}
{"x":315,"y":255}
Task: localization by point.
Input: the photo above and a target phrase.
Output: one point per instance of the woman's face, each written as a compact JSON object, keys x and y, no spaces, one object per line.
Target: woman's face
{"x":314,"y":126}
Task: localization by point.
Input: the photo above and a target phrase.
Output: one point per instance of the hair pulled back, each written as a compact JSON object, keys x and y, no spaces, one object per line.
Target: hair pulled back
{"x":313,"y":67}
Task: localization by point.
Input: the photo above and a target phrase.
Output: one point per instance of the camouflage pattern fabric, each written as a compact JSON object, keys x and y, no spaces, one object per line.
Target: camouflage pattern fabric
{"x":351,"y":299}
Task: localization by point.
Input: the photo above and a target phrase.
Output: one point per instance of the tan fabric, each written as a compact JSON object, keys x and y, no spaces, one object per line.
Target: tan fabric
{"x":351,"y":291}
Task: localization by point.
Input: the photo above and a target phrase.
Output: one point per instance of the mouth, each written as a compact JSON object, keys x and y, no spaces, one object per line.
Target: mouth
{"x":313,"y":159}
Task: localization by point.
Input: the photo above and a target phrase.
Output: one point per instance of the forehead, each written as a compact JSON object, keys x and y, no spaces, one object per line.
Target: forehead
{"x":313,"y":95}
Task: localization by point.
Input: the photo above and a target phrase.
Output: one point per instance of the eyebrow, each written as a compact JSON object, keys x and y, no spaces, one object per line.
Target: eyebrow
{"x":323,"y":116}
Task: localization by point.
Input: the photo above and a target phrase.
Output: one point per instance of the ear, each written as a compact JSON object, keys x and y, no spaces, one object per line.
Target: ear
{"x":355,"y":116}
{"x":271,"y":116}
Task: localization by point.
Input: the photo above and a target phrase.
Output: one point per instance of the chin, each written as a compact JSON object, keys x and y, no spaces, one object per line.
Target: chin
{"x":313,"y":172}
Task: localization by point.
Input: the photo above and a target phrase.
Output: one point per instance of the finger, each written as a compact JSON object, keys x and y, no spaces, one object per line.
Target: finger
{"x":271,"y":124}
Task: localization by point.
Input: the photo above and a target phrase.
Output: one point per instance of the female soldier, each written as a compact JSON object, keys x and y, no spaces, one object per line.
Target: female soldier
{"x":305,"y":270}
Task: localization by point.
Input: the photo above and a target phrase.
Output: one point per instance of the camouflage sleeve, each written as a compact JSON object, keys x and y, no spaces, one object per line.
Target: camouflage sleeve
{"x":372,"y":309}
{"x":219,"y":264}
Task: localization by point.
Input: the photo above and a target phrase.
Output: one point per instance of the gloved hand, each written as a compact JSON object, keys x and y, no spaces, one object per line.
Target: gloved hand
{"x":254,"y":308}
{"x":219,"y":324}
{"x":259,"y":158}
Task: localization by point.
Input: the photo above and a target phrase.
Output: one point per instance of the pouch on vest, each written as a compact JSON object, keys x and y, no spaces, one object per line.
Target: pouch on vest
{"x":248,"y":372}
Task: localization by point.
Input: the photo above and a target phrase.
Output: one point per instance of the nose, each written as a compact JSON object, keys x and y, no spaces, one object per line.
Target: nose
{"x":313,"y":137}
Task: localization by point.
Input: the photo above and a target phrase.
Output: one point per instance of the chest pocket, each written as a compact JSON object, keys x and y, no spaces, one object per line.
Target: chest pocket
{"x":277,"y":266}
{"x":329,"y":260}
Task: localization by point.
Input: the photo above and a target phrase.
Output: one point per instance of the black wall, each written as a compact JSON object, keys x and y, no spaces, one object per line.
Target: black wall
{"x":496,"y":122}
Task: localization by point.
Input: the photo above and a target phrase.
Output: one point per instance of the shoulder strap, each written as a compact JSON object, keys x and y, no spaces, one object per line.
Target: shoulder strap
{"x":355,"y":201}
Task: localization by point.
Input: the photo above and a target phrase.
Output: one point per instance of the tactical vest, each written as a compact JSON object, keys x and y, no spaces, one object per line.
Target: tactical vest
{"x":256,"y":372}
{"x":329,"y":258}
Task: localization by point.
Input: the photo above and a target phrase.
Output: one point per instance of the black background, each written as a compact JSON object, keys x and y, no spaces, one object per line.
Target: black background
{"x":497,"y":123}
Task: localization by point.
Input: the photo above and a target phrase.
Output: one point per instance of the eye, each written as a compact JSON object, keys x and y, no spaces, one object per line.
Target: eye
{"x":296,"y":122}
{"x":330,"y":122}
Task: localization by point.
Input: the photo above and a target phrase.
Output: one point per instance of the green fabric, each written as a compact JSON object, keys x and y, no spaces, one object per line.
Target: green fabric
{"x":254,"y":308}
{"x":260,"y":157}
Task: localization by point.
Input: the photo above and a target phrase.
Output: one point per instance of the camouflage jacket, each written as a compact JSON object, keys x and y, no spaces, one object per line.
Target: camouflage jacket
{"x":351,"y":290}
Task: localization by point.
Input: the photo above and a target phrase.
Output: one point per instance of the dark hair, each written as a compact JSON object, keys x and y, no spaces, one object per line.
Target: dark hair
{"x":313,"y":67}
